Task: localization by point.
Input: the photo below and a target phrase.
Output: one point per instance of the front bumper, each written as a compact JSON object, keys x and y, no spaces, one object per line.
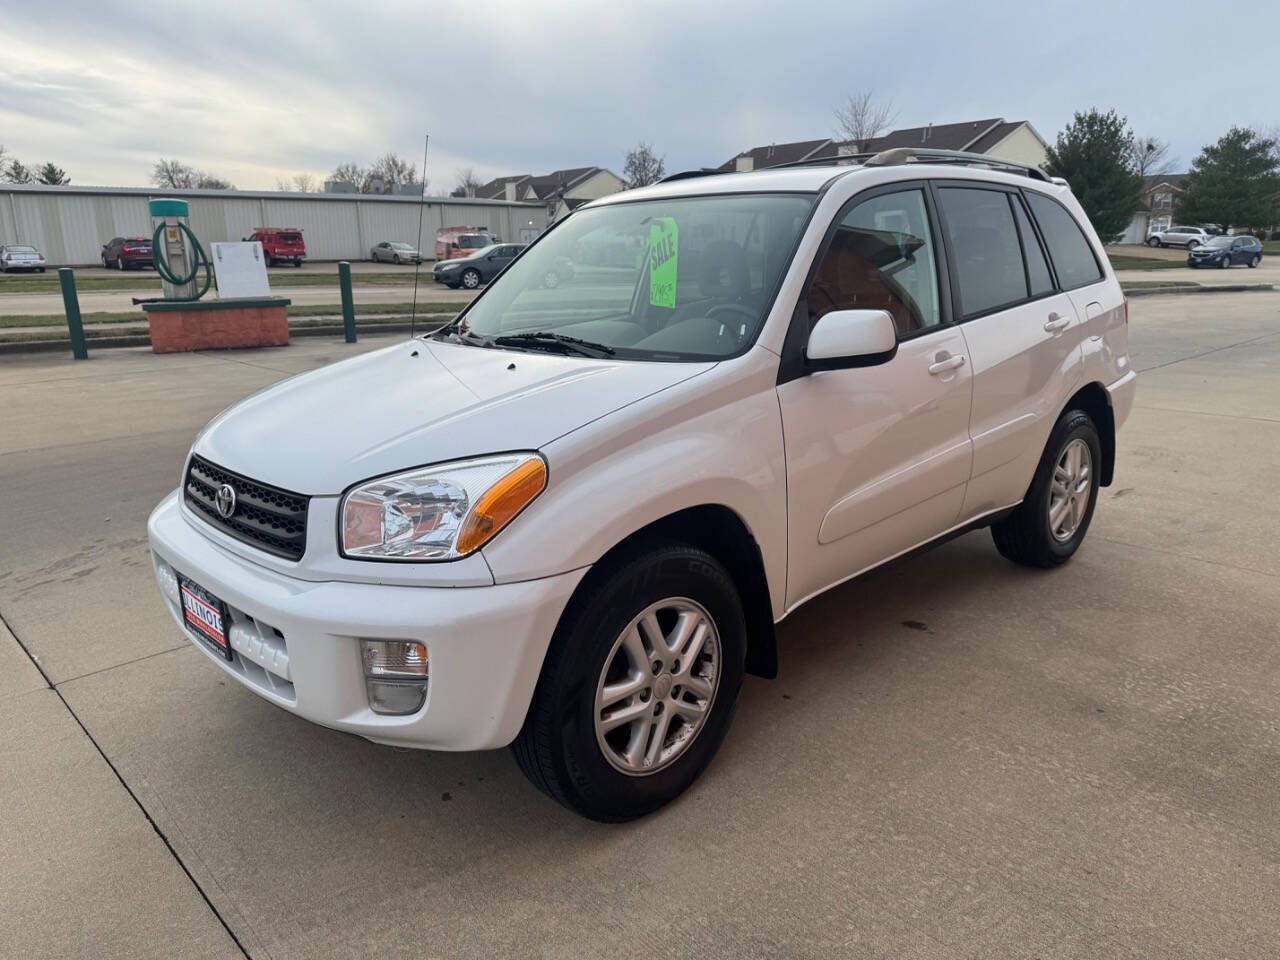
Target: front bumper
{"x":296,"y":642}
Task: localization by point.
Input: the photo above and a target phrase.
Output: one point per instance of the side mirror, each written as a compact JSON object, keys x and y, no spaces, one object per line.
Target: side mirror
{"x":851,"y":338}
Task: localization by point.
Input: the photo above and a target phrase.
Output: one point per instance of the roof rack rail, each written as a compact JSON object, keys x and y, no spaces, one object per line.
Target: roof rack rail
{"x":690,"y":174}
{"x":900,"y":155}
{"x":888,"y":158}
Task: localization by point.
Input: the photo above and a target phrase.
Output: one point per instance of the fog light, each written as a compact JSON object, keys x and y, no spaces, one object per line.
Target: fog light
{"x":168,"y":582}
{"x":395,"y":675}
{"x":396,"y":697}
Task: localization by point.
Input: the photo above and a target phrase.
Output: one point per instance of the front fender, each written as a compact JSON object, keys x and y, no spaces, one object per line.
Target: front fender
{"x":713,"y":439}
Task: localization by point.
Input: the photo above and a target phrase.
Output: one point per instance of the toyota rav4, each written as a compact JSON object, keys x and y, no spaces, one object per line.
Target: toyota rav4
{"x":570,"y":520}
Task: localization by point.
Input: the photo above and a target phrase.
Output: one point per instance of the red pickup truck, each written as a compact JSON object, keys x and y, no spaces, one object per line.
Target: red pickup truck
{"x":280,"y":244}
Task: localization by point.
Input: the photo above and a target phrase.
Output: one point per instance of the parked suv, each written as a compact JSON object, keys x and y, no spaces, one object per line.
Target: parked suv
{"x":810,"y":372}
{"x":127,"y":253}
{"x":1189,"y":237}
{"x":1226,"y":251}
{"x":280,"y":244}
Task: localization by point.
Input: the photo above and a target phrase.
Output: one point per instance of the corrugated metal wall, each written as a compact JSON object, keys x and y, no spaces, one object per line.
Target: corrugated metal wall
{"x":70,"y":225}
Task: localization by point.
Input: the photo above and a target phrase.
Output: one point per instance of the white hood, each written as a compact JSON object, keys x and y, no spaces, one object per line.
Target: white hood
{"x":389,"y":410}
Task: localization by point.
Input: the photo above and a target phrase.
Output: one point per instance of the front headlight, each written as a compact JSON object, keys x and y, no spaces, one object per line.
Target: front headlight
{"x":439,"y":513}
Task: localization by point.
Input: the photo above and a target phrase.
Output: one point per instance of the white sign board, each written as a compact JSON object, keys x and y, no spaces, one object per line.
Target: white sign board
{"x":240,"y":270}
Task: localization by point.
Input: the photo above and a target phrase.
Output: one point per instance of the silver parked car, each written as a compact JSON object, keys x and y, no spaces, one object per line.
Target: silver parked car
{"x":1189,"y":237}
{"x":392,"y":251}
{"x":20,"y":256}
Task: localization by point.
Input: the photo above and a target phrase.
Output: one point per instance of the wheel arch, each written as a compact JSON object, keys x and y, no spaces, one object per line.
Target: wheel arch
{"x":721,"y":532}
{"x":1094,"y":400}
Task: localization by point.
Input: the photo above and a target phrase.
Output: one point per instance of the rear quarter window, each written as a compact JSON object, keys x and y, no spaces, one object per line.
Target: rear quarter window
{"x":1070,"y":251}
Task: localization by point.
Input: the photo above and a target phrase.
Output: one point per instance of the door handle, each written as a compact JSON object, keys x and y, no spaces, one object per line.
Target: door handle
{"x":1056,"y":322}
{"x":950,"y":363}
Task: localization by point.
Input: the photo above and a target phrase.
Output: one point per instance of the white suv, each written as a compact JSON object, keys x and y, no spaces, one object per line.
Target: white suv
{"x":570,"y":520}
{"x":1189,"y":237}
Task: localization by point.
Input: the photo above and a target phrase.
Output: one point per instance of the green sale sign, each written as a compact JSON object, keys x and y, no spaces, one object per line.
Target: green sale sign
{"x":664,"y":245}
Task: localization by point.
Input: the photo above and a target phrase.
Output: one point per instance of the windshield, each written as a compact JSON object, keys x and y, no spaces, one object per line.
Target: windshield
{"x":473,"y":240}
{"x":1214,"y":243}
{"x":401,"y":246}
{"x":682,"y":279}
{"x":18,"y":249}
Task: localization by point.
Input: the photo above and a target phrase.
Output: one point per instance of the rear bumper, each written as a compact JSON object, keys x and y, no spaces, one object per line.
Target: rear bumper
{"x":296,"y":642}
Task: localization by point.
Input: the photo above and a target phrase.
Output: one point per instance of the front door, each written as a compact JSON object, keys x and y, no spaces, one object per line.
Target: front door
{"x":877,"y":457}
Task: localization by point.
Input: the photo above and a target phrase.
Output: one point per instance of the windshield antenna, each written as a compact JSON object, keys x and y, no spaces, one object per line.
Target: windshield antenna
{"x":417,"y":267}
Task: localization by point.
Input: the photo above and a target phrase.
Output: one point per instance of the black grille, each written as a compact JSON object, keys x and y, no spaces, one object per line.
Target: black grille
{"x":269,"y":518}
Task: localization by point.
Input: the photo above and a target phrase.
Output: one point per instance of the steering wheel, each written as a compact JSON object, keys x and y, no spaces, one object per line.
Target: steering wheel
{"x":752,"y":316}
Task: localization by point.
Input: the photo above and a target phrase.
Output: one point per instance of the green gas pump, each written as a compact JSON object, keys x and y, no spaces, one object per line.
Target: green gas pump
{"x":176,"y":251}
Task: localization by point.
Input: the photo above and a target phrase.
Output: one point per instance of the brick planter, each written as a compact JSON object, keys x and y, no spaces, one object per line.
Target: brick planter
{"x":217,"y":324}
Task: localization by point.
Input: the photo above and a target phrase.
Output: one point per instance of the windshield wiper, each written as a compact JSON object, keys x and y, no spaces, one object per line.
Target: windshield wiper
{"x":545,"y":340}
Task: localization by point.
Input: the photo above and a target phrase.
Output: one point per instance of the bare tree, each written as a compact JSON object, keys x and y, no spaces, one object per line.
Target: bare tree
{"x":642,"y":166}
{"x":863,"y":118}
{"x":176,"y":175}
{"x":1149,"y":156}
{"x":173,"y":174}
{"x":304,"y":183}
{"x":208,"y":181}
{"x":467,"y":183}
{"x":394,"y":171}
{"x":351,"y":173}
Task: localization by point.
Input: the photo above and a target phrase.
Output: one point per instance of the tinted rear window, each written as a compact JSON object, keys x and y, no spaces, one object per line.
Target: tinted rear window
{"x":984,"y":242}
{"x":1037,"y":267}
{"x":1071,"y":253}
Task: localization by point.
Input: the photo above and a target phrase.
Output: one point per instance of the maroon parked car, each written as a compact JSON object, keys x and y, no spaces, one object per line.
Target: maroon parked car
{"x":128,"y":253}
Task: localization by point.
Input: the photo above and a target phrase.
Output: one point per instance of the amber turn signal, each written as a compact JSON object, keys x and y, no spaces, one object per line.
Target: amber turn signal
{"x":500,"y":503}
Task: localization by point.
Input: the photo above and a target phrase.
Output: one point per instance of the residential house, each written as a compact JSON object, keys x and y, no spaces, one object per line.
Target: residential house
{"x":1013,"y":140}
{"x":561,"y":190}
{"x":1159,"y":196}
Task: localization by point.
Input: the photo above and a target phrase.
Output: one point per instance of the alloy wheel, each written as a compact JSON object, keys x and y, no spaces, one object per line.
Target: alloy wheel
{"x":657,"y":686}
{"x":1070,"y":489}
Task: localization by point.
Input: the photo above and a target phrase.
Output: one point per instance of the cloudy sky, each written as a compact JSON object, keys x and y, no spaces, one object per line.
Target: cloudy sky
{"x":254,"y":91}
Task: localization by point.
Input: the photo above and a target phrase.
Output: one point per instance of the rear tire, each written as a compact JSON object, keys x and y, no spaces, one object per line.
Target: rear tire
{"x":1029,"y":535}
{"x":120,"y":264}
{"x":1255,"y":261}
{"x":563,"y":747}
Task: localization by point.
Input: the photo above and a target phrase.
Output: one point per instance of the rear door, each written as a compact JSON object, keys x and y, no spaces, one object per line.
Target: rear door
{"x":877,"y":457}
{"x":1023,"y":334}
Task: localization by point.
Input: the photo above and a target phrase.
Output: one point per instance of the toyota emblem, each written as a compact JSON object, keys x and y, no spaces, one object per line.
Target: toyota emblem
{"x":225,"y":500}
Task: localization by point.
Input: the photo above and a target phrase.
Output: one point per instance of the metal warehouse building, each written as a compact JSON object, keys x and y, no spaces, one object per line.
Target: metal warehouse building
{"x":71,"y":224}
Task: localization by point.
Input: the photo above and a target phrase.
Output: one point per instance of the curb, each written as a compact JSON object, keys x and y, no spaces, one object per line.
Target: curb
{"x":144,"y":340}
{"x":1212,"y":288}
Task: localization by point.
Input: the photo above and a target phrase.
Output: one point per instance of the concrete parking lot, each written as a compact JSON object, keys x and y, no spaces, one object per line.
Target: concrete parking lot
{"x":961,"y":758}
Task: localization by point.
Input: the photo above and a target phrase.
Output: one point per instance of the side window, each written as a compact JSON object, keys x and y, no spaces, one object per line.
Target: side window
{"x":881,"y":258}
{"x":1037,"y":267}
{"x":1071,"y":253}
{"x":984,"y":242}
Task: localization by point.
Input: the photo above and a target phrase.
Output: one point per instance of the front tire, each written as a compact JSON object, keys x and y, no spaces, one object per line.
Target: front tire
{"x":1154,"y":242}
{"x":471,"y":279}
{"x":639,"y":685}
{"x":1225,"y":262}
{"x":551,"y":279}
{"x":1047,"y":528}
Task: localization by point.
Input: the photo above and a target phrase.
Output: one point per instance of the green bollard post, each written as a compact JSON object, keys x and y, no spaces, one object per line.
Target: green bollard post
{"x":348,"y":308}
{"x":71,"y":303}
